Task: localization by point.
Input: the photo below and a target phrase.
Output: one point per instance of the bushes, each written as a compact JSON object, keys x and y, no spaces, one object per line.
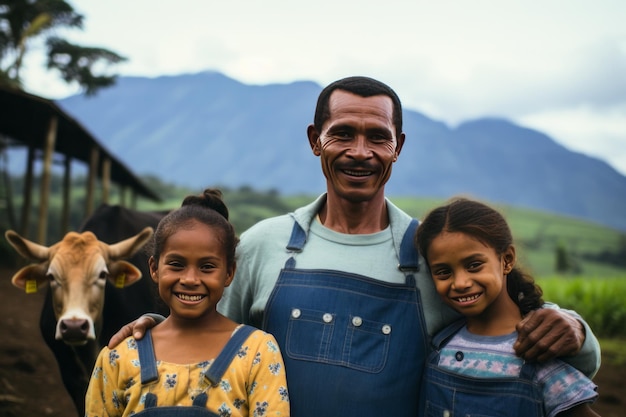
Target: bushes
{"x":602,"y":302}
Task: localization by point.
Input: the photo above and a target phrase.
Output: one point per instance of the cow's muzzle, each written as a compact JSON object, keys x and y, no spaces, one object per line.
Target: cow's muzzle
{"x":74,"y":331}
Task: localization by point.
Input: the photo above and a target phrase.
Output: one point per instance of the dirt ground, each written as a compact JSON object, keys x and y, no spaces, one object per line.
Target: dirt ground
{"x":30,"y":384}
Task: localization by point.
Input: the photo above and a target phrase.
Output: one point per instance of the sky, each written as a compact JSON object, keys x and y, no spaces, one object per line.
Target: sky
{"x":558,"y":66}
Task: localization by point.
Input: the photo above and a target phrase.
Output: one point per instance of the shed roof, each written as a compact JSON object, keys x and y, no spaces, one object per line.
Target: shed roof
{"x":25,"y":117}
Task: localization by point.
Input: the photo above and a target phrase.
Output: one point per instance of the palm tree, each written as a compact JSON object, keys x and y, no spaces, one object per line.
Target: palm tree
{"x":21,"y":21}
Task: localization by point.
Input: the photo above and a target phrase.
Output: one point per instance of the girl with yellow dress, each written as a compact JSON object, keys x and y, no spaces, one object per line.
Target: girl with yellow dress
{"x":196,"y":362}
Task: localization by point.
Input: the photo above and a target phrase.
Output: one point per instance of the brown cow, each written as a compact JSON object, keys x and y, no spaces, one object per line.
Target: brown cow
{"x":77,"y":270}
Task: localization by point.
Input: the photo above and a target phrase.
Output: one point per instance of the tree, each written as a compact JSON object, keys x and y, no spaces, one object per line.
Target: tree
{"x":22,"y":21}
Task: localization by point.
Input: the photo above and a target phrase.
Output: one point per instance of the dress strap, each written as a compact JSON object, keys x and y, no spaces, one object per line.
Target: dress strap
{"x":147,"y":360}
{"x":226,"y":356}
{"x":441,"y":337}
{"x":409,"y":257}
{"x":200,"y":400}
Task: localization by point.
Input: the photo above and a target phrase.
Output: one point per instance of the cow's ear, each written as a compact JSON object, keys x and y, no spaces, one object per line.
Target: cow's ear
{"x":30,"y":278}
{"x":123,"y":274}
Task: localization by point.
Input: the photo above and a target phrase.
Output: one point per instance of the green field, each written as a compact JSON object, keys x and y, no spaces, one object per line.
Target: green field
{"x":590,"y":250}
{"x":601,"y":301}
{"x":538,"y":234}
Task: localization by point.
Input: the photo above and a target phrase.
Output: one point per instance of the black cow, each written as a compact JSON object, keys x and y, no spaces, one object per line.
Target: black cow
{"x":74,"y":339}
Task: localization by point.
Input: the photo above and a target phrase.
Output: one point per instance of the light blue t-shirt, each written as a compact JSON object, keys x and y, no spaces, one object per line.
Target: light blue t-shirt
{"x":262,"y":253}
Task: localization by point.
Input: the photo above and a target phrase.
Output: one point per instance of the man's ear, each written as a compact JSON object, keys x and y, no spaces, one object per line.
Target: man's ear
{"x":314,"y":139}
{"x":399,"y":145}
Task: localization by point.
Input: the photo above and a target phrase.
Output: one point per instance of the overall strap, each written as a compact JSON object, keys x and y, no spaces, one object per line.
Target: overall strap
{"x":409,"y":257}
{"x":222,"y":362}
{"x":295,"y":244}
{"x":147,"y":361}
{"x":440,"y":338}
{"x":528,"y":371}
{"x":297,"y":239}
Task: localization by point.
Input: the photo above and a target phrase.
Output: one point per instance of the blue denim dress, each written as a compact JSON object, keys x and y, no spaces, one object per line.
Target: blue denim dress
{"x":448,"y":394}
{"x":149,"y":374}
{"x":352,"y":345}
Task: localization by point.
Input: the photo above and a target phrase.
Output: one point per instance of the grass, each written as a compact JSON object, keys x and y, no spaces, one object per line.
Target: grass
{"x":601,"y":301}
{"x":613,"y":352}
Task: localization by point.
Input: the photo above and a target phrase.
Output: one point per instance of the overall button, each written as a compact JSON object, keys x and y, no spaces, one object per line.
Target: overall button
{"x":327,"y":318}
{"x":295,"y":313}
{"x":386,"y":329}
{"x":357,"y":321}
{"x":459,"y":356}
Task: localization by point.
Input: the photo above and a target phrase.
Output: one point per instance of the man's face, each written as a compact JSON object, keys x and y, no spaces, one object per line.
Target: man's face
{"x":357,"y":145}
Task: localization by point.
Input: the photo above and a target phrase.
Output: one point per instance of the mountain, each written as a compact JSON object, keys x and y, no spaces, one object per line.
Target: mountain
{"x":207,"y":129}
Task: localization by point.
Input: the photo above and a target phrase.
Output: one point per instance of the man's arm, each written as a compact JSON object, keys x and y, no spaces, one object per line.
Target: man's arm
{"x":552,"y":332}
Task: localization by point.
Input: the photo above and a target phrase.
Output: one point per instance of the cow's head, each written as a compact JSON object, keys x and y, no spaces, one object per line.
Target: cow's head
{"x":77,"y":269}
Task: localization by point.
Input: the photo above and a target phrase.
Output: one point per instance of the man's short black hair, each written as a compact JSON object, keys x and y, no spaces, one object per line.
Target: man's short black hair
{"x":363,"y":87}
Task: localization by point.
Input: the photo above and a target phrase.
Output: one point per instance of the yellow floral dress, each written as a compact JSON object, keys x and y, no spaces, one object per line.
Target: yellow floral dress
{"x":254,"y":383}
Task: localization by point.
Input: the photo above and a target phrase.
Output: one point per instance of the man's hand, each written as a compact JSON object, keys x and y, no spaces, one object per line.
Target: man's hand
{"x":136,"y":328}
{"x":548,"y":333}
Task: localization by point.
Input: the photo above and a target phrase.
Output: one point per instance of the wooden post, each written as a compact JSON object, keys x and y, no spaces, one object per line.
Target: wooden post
{"x":106,"y":179}
{"x":67,"y":185}
{"x":91,"y":181}
{"x":122,"y":198}
{"x":27,"y":193}
{"x":45,"y":180}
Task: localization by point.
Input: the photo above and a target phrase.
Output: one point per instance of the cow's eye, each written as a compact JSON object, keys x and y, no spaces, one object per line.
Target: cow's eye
{"x":53,"y":282}
{"x":103,"y":275}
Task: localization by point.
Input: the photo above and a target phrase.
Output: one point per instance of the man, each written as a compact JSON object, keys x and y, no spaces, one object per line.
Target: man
{"x":339,"y":283}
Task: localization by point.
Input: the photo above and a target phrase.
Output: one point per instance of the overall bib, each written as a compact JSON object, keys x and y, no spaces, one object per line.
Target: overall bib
{"x":149,"y":374}
{"x":451,"y":395}
{"x":352,"y":345}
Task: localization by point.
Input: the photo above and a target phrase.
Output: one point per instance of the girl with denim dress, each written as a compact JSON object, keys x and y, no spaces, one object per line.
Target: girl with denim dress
{"x":473,"y":370}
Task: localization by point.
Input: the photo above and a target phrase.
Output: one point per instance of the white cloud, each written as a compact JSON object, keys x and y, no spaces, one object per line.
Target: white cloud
{"x":554,"y":65}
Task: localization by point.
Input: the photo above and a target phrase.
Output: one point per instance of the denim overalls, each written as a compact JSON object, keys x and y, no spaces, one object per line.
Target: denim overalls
{"x":352,"y":345}
{"x":448,"y":394}
{"x":149,"y":374}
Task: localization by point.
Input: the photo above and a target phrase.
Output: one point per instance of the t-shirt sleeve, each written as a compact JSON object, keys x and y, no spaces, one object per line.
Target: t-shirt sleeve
{"x":237,"y":298}
{"x":587,"y":360}
{"x":564,"y":387}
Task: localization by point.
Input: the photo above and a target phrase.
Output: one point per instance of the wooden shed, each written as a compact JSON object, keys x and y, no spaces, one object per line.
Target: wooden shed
{"x":47,"y":132}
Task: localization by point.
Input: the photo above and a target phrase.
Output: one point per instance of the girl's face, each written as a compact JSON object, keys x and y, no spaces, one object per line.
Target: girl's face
{"x":469,"y":275}
{"x":192,"y":271}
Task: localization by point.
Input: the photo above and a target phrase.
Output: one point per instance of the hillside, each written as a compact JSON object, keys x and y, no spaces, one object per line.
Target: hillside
{"x":592,"y":250}
{"x":207,"y":129}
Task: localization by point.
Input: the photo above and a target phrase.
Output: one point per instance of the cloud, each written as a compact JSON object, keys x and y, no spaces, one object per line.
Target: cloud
{"x":558,"y":66}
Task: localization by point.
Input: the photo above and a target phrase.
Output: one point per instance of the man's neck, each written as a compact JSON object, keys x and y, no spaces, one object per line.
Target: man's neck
{"x":364,"y":217}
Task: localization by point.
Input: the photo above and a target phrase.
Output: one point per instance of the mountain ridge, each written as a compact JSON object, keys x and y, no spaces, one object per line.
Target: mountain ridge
{"x":208,"y":129}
